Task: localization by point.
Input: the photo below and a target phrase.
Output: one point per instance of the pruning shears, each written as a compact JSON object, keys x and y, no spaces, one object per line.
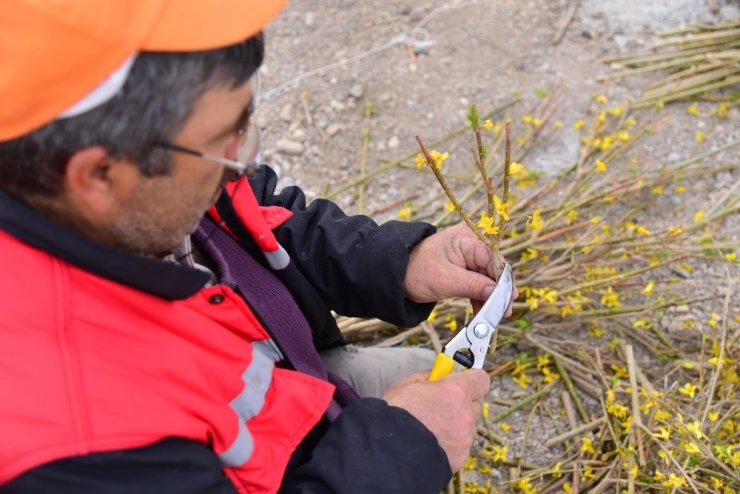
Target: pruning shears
{"x":470,"y":346}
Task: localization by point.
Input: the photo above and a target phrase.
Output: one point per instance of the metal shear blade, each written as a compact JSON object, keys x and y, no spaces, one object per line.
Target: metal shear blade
{"x":476,"y":336}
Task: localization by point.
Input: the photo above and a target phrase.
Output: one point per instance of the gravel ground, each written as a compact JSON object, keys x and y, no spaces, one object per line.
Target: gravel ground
{"x":422,"y":62}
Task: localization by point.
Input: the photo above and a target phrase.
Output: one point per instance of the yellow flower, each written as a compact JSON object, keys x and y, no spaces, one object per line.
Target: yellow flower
{"x":623,"y":135}
{"x":420,"y":161}
{"x":648,"y":290}
{"x":486,"y":224}
{"x":532,"y":302}
{"x":404,"y":214}
{"x":485,"y":409}
{"x":523,"y":380}
{"x":699,"y":216}
{"x":616,"y":111}
{"x":525,"y":485}
{"x":586,"y":446}
{"x":699,"y":136}
{"x":535,"y":222}
{"x":501,"y":207}
{"x":610,"y":298}
{"x":692,"y":448}
{"x":722,"y":110}
{"x":580,"y":123}
{"x":695,"y":429}
{"x":713,"y":321}
{"x":488,"y":124}
{"x":675,"y":481}
{"x":658,"y":190}
{"x":571,"y":216}
{"x":688,"y":389}
{"x":450,"y":323}
{"x":664,"y":455}
{"x":596,"y":332}
{"x":499,"y":454}
{"x":527,"y":119}
{"x":601,"y":99}
{"x":449,"y":206}
{"x":664,"y":433}
{"x":693,"y":110}
{"x":680,"y":189}
{"x":469,"y":464}
{"x":619,"y":411}
{"x":713,"y":416}
{"x":438,"y":158}
{"x":676,"y":231}
{"x":567,"y":488}
{"x":516,"y":168}
{"x":732,"y":256}
{"x":528,"y":255}
{"x":505,"y":427}
{"x":432,"y":315}
{"x":660,"y":105}
{"x":601,"y":166}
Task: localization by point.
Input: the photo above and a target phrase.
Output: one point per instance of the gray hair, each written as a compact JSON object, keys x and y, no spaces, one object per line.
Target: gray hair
{"x":152,"y":107}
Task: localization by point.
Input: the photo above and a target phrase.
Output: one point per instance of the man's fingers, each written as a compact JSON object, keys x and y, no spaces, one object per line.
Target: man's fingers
{"x":475,"y":382}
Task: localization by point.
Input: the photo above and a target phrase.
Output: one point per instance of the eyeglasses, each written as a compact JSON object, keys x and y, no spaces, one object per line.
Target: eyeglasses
{"x":248,"y":141}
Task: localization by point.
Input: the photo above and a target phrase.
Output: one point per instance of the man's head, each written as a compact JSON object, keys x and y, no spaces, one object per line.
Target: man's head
{"x":104,"y":171}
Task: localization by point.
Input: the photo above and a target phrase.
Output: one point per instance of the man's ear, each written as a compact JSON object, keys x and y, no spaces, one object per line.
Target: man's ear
{"x":95,"y":182}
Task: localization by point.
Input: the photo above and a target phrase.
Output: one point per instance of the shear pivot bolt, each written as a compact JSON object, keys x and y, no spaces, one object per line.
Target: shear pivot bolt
{"x":481,"y":330}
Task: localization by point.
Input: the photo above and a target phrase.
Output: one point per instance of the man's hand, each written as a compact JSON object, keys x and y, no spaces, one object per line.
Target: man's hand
{"x":449,"y":408}
{"x":451,"y":263}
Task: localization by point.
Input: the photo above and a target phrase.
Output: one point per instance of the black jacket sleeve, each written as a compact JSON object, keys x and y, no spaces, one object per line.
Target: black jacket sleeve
{"x":356,"y":265}
{"x":371,"y":448}
{"x":172,"y":466}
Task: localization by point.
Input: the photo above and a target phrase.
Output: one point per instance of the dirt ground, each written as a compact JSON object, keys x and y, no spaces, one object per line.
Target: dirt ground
{"x":422,"y":62}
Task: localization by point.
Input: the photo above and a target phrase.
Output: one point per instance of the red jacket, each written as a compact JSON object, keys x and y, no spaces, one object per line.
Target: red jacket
{"x":199,"y":368}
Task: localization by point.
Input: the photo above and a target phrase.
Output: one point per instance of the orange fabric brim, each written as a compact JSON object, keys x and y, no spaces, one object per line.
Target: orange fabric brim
{"x":53,"y":56}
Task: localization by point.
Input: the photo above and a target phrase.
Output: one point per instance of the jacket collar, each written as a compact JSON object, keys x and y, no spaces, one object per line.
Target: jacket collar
{"x":168,"y":280}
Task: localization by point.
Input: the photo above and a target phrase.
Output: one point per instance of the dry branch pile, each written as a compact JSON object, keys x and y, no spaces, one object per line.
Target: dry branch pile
{"x":701,"y":59}
{"x":639,"y":392}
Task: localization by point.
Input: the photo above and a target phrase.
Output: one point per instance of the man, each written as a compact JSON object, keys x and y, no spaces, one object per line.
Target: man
{"x":148,"y":348}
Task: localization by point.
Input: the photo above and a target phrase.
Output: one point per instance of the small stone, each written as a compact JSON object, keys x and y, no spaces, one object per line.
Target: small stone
{"x":413,"y":67}
{"x":333,"y":129}
{"x":286,"y":146}
{"x":336,"y":105}
{"x":309,"y":19}
{"x":356,"y":91}
{"x":286,"y":113}
{"x":621,"y":41}
{"x":299,"y":135}
{"x":416,"y":14}
{"x":393,"y":142}
{"x":261,"y":121}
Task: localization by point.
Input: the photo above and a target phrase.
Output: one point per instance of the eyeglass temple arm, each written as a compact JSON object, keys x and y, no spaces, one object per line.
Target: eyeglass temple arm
{"x":231,"y":164}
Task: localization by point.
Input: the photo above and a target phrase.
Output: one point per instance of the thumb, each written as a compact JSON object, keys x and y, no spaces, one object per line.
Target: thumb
{"x":475,"y":286}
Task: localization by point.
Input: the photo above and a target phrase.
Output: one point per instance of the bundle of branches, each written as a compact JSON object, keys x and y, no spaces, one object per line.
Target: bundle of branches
{"x":604,"y":329}
{"x":702,"y":59}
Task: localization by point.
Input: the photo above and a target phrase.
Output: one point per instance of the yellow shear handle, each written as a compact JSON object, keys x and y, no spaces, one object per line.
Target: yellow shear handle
{"x":442,"y":366}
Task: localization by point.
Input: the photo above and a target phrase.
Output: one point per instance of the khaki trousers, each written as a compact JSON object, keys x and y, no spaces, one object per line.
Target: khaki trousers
{"x":370,"y":370}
